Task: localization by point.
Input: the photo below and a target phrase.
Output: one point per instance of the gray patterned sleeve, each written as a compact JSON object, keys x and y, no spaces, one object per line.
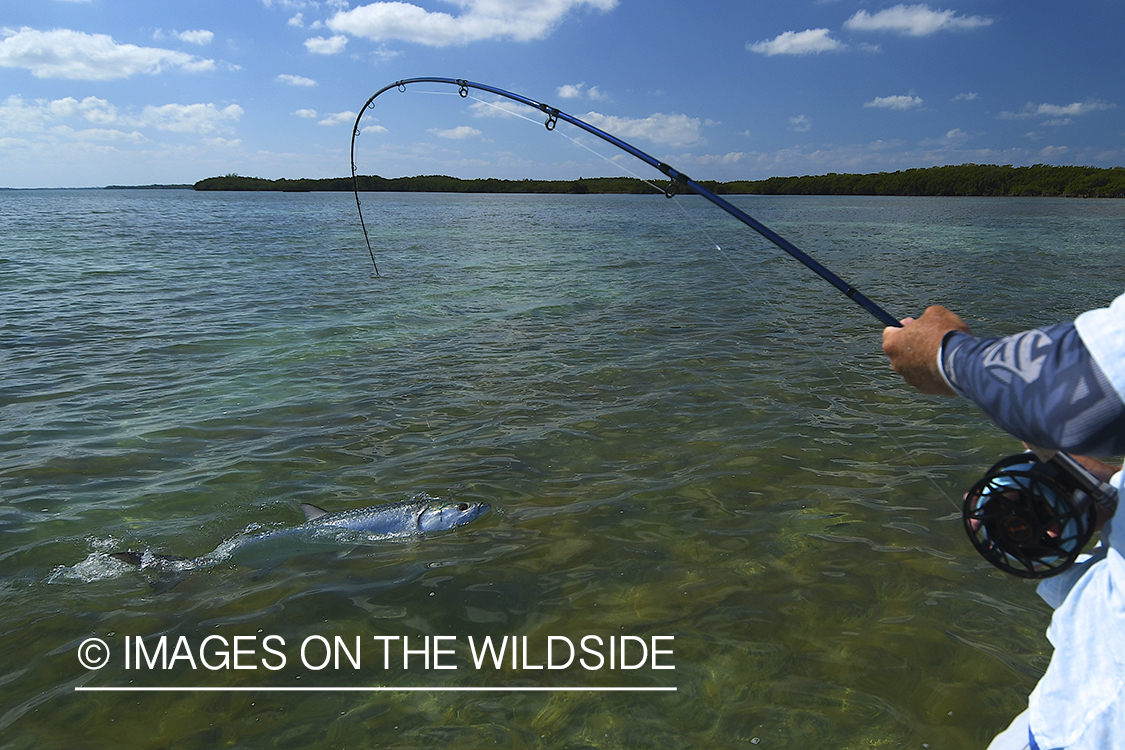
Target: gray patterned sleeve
{"x":1041,"y":386}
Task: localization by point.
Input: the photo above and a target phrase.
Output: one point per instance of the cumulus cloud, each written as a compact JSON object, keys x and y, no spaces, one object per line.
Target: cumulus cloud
{"x":732,"y":157}
{"x":458,"y":133}
{"x":318,"y":45}
{"x":895,"y":102}
{"x":1049,"y":153}
{"x":670,"y":130}
{"x":92,"y":109}
{"x":808,"y":42}
{"x":481,"y":19}
{"x":579,"y":90}
{"x":801,"y":123}
{"x":76,"y":55}
{"x":190,"y":118}
{"x":292,"y":80}
{"x":199,"y":36}
{"x":41,"y":115}
{"x":1064,"y":111}
{"x":20,"y":116}
{"x":338,"y":118}
{"x":384,"y":54}
{"x":99,"y":135}
{"x":665,"y":129}
{"x":914,"y":20}
{"x":308,"y":114}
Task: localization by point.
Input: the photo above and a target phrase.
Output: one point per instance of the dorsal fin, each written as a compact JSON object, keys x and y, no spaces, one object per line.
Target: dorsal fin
{"x":312,"y":512}
{"x":133,"y":558}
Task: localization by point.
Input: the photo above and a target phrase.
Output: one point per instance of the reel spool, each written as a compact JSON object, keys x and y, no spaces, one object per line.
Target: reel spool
{"x":1028,"y":517}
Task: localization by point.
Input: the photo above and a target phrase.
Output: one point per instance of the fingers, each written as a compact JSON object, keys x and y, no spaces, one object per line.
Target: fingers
{"x":913,"y":349}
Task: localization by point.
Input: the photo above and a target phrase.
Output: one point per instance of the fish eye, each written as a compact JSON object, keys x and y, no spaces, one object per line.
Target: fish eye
{"x":462,"y":507}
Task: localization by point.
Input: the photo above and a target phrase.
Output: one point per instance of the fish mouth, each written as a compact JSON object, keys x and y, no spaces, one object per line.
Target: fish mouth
{"x":448,"y":516}
{"x":470,"y":511}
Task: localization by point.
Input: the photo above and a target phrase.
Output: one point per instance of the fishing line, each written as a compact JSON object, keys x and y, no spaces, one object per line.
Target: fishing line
{"x":578,"y":143}
{"x":1021,"y":519}
{"x":676,"y":178}
{"x":812,"y":352}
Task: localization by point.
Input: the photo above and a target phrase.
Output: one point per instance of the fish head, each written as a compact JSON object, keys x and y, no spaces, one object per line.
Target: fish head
{"x":441,"y":516}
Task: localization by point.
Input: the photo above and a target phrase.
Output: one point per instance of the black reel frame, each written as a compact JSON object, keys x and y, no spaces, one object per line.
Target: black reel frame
{"x":1029,"y":517}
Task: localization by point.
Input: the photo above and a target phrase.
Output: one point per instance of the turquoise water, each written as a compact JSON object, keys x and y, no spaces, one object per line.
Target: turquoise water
{"x":698,"y":450}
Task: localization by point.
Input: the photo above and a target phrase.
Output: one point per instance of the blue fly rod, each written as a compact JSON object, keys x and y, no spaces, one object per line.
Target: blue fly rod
{"x":676,"y":177}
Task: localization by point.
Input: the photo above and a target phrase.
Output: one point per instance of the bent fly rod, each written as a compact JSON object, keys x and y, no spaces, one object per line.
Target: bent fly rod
{"x":1030,"y":515}
{"x":676,"y":178}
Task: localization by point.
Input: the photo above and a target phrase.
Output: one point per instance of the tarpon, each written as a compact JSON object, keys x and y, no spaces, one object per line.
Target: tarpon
{"x":322,"y":530}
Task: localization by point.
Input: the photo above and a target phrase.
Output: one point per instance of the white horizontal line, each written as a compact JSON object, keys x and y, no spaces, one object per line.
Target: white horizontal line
{"x":380,"y":689}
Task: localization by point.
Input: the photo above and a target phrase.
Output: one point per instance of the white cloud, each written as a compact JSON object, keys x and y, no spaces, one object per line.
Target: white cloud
{"x":91,"y":109}
{"x":895,"y":102}
{"x":914,"y":20}
{"x":19,"y":116}
{"x":298,"y":21}
{"x":308,"y":114}
{"x":729,"y":158}
{"x":482,"y":19}
{"x":1066,"y":111}
{"x":318,"y":45}
{"x":671,"y":130}
{"x":801,"y":123}
{"x":384,"y":54}
{"x":199,"y":36}
{"x":1073,"y":110}
{"x":295,"y":80}
{"x":458,"y":133}
{"x":76,"y":55}
{"x":578,"y":90}
{"x":99,"y":135}
{"x":43,"y":116}
{"x":290,"y":4}
{"x":337,"y":118}
{"x":190,"y":118}
{"x":971,"y":96}
{"x":1048,"y":153}
{"x":808,"y":42}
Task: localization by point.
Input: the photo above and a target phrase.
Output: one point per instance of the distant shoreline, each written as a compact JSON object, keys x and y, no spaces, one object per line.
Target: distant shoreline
{"x":963,"y":180}
{"x":149,"y":187}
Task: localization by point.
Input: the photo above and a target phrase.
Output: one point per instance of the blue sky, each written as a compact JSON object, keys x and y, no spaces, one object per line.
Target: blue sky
{"x":96,"y":92}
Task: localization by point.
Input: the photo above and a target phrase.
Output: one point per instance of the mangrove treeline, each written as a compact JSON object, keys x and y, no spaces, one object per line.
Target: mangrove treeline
{"x":961,"y":180}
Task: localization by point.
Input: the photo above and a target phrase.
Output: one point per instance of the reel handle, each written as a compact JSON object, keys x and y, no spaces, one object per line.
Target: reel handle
{"x":1103,"y":495}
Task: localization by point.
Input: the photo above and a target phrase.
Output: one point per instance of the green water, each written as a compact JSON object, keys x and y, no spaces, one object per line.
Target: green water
{"x":679,"y":443}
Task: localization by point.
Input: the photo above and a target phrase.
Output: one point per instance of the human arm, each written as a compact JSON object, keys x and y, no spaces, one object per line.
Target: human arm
{"x":1042,"y":386}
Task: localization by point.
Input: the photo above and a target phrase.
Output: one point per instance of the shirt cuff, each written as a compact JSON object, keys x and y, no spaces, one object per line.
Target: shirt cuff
{"x":942,"y":360}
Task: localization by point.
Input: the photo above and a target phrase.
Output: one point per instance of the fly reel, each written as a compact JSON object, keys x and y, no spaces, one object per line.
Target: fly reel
{"x":1031,"y":517}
